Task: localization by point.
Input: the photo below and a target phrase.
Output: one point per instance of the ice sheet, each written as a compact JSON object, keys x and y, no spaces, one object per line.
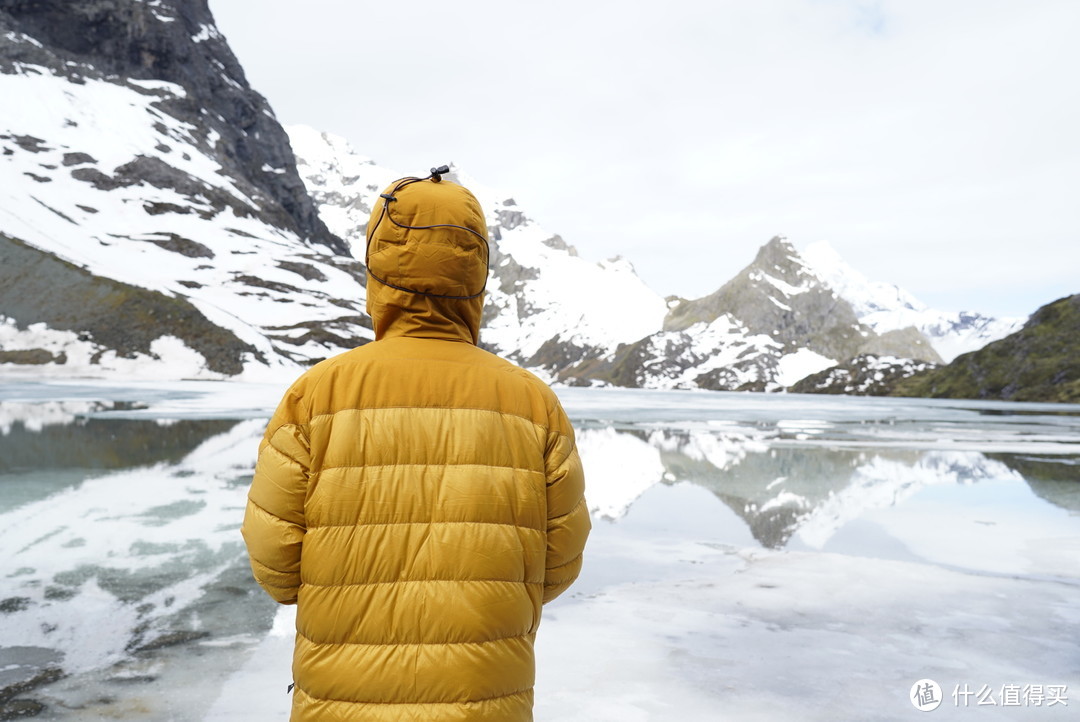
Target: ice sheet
{"x":753,"y":557}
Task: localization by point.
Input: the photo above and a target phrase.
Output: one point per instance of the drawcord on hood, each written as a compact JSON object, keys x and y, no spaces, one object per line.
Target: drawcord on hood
{"x":389,"y":197}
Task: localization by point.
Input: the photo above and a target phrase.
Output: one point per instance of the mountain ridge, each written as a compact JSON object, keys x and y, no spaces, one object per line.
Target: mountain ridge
{"x":147,"y":172}
{"x":770,"y":325}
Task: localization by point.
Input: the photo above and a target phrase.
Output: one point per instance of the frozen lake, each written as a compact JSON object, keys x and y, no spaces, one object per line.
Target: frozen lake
{"x":754,"y":557}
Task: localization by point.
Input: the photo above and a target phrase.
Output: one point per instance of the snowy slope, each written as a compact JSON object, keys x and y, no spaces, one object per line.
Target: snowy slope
{"x":546,"y":307}
{"x":343,"y":183}
{"x":208,"y":246}
{"x":102,"y":173}
{"x":886,"y":307}
{"x":722,"y":354}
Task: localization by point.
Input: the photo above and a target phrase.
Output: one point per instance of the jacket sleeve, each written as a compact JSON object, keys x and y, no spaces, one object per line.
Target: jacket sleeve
{"x":568,"y":522}
{"x":274,"y":524}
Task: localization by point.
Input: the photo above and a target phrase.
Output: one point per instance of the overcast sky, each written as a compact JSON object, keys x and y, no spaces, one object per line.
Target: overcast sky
{"x":934,"y":143}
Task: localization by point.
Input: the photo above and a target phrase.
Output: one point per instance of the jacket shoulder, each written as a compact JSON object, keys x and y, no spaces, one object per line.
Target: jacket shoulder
{"x":413,"y":372}
{"x":556,"y":418}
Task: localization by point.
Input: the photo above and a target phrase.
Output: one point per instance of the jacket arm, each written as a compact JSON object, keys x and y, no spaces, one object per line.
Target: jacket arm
{"x":274,"y":525}
{"x":568,"y":519}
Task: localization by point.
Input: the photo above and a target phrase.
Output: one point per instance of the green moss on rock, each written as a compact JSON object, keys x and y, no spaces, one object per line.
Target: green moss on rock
{"x":32,"y":357}
{"x":1040,"y":362}
{"x":37,"y":287}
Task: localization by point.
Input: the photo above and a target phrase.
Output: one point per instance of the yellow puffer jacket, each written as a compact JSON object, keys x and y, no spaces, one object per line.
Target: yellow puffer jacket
{"x":418,"y":497}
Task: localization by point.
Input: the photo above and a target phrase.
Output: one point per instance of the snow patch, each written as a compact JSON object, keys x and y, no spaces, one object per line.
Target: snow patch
{"x":798,"y":365}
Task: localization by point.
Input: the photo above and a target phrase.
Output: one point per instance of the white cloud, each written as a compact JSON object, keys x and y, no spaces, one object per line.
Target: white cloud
{"x":931,"y":143}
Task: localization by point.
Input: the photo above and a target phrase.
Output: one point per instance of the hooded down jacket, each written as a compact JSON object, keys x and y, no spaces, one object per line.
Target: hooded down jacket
{"x":418,"y":498}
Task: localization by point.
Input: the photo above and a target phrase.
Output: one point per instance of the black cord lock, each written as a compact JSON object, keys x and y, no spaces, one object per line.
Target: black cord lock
{"x":438,"y":173}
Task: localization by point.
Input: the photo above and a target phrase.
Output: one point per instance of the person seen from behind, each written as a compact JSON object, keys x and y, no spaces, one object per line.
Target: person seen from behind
{"x":418,"y":498}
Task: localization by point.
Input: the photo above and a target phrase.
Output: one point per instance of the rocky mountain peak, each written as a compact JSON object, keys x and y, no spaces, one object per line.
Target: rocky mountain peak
{"x":175,"y":41}
{"x":779,"y":296}
{"x":777,"y":252}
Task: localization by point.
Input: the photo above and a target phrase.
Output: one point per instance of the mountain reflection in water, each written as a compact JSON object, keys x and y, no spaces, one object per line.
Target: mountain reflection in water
{"x":119,"y":521}
{"x":46,"y":447}
{"x":780,"y":490}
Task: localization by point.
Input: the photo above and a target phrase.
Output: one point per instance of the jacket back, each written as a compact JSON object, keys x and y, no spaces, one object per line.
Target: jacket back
{"x":419,"y":499}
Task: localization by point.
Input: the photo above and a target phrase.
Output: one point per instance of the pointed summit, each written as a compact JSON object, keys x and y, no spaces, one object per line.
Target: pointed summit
{"x":779,"y":296}
{"x":776,"y":252}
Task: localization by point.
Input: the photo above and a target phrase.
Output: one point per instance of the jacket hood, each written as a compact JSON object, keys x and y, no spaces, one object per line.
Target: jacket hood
{"x":427,"y":261}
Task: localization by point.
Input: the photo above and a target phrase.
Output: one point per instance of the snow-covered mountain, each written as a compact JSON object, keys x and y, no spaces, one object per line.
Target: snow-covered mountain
{"x":156,"y":220}
{"x":885,"y":307}
{"x":546,"y":307}
{"x":151,"y":218}
{"x":774,"y":323}
{"x":779,"y":321}
{"x":863,"y":375}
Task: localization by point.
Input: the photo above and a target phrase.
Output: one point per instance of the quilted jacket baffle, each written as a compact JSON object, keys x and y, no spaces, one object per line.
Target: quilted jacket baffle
{"x":418,"y":498}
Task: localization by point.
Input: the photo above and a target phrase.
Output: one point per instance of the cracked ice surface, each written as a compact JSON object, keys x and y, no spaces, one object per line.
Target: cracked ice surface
{"x":754,"y":557}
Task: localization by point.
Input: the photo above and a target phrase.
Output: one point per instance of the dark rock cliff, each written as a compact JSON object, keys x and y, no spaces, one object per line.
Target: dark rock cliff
{"x":174,"y":41}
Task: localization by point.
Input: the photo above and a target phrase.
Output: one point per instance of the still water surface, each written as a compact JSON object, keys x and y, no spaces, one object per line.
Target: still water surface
{"x":125,"y":583}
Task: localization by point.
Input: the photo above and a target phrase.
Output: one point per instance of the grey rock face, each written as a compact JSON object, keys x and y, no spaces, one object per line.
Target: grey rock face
{"x":778,"y":296}
{"x":905,"y":343}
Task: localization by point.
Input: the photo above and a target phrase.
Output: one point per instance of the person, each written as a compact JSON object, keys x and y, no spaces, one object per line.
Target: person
{"x":418,"y":498}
